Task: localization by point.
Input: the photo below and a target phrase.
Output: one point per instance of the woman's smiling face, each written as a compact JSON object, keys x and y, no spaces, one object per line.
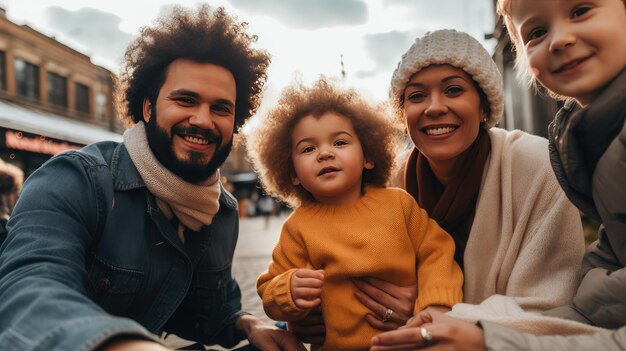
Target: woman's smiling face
{"x":442,"y":111}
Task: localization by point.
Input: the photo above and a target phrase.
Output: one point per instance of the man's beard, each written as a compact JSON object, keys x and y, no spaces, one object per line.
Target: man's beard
{"x":191,"y":170}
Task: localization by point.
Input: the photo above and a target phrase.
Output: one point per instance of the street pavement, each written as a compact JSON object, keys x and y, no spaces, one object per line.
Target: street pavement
{"x":257,"y":237}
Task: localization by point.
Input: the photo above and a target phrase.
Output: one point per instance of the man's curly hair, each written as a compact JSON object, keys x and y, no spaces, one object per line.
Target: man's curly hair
{"x":269,"y":145}
{"x":205,"y":36}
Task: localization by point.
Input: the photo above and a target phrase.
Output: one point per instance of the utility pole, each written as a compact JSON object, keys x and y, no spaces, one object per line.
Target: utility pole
{"x":343,"y":70}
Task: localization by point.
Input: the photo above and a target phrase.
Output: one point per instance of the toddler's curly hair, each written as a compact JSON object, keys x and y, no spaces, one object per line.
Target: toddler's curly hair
{"x":269,"y":141}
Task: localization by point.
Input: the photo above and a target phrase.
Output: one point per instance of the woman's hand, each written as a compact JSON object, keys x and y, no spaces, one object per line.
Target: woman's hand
{"x":379,"y":296}
{"x":435,"y":308}
{"x":442,"y":332}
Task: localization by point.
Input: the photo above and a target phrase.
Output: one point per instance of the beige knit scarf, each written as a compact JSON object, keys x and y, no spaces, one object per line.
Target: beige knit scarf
{"x":193,"y":204}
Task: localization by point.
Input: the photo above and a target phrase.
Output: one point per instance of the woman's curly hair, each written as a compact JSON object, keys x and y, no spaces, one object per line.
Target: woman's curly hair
{"x":269,"y":145}
{"x":206,"y":36}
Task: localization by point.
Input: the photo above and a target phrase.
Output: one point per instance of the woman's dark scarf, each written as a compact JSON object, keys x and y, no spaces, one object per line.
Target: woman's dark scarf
{"x":454,"y":205}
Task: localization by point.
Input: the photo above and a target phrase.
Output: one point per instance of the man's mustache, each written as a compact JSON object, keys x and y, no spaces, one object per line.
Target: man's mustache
{"x":204,"y":133}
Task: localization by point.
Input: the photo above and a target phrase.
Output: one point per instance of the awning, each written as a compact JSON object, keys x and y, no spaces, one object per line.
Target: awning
{"x":22,"y":118}
{"x":242,"y":177}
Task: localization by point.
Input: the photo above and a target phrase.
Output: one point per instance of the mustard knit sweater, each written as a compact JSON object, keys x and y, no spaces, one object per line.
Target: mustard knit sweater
{"x":383,"y":235}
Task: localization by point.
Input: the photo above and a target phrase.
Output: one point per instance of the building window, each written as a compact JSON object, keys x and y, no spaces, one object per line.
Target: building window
{"x":27,"y":77}
{"x":82,"y":98}
{"x":3,"y":71}
{"x":57,"y":89}
{"x":101,"y":106}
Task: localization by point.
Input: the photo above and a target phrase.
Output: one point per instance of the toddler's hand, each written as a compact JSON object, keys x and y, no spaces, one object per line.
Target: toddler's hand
{"x":306,"y":287}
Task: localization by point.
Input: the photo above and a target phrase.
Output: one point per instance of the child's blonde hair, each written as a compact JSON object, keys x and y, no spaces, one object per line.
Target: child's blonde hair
{"x":524,"y":72}
{"x":505,"y":9}
{"x":269,"y":140}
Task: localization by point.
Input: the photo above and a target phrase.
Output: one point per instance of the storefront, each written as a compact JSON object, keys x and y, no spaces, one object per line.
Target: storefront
{"x":28,"y":137}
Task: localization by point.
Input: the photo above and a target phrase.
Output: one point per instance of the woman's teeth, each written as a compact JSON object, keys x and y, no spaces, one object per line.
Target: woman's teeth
{"x":440,"y":131}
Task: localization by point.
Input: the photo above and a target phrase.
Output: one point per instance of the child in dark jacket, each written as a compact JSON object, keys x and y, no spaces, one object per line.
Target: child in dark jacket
{"x":574,"y":51}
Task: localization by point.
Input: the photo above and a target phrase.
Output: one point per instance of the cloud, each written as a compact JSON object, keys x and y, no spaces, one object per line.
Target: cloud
{"x":385,"y":50}
{"x":94,"y":29}
{"x":308,"y":14}
{"x":472,"y":16}
{"x":400,"y":2}
{"x":425,"y":9}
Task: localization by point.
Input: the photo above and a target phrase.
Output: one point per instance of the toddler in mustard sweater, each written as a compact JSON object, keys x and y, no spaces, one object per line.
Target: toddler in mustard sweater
{"x":329,"y":154}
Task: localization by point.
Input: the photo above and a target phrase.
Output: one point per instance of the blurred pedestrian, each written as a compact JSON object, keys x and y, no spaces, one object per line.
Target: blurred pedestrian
{"x":266,"y":205}
{"x":11,"y":179}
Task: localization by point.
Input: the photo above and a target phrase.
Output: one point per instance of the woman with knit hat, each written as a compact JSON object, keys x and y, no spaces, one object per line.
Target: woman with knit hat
{"x":493,"y":190}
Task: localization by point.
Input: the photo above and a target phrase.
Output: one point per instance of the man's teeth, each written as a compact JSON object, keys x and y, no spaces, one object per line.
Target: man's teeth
{"x":440,"y":131}
{"x":196,"y":140}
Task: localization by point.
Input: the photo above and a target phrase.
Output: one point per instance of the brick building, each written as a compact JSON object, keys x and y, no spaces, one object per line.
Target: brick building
{"x":52,"y":97}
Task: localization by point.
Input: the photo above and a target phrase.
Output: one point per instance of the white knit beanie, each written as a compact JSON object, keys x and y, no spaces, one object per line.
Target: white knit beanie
{"x":458,"y":49}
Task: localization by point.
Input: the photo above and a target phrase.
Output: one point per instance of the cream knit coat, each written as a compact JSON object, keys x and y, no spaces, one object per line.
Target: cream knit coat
{"x":526,"y":241}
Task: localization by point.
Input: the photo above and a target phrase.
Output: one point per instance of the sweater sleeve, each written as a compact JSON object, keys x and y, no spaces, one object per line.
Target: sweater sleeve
{"x":498,"y":337}
{"x":439,"y":278}
{"x":274,"y":285}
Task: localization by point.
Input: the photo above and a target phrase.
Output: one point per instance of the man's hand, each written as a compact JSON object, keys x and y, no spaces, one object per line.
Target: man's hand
{"x":306,"y":287}
{"x":134,"y":345}
{"x":267,"y":337}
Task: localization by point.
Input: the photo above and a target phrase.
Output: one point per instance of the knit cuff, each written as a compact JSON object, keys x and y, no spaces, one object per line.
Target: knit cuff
{"x":437,"y":296}
{"x":283,"y":299}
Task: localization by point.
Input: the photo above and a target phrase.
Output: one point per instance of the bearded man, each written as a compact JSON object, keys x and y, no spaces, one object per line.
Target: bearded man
{"x":113,"y":245}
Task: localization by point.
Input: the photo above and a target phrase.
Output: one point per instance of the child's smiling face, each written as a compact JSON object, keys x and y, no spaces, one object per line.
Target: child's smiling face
{"x":575,"y":48}
{"x":328,"y":158}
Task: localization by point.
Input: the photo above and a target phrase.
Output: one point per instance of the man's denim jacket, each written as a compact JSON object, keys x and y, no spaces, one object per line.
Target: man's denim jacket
{"x":89,"y":256}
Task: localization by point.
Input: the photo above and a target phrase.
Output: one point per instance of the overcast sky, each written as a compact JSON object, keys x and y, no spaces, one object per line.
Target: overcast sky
{"x":306,"y":38}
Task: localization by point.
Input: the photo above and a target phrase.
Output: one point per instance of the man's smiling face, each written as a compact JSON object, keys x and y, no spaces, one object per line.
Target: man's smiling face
{"x":191,"y":127}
